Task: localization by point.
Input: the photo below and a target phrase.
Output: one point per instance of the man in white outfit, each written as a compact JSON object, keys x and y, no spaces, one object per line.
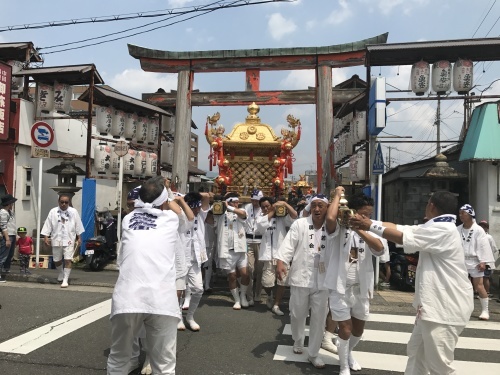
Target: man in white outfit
{"x":305,"y":247}
{"x":273,"y":230}
{"x":64,"y":226}
{"x":232,"y":248}
{"x":145,"y":293}
{"x":196,"y":252}
{"x":443,"y":293}
{"x":253,"y":241}
{"x":477,"y":253}
{"x":350,"y":279}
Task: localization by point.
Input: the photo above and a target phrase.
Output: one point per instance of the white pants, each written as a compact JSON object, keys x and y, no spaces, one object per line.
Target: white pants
{"x":161,"y":339}
{"x":431,"y":348}
{"x":301,"y":299}
{"x":194,"y":282}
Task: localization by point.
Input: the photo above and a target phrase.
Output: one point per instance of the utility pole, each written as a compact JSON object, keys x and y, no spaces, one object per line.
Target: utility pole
{"x":438,"y":126}
{"x":389,"y":158}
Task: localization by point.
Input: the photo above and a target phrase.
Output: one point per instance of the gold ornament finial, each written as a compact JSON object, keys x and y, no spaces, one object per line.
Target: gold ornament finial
{"x":253,"y":109}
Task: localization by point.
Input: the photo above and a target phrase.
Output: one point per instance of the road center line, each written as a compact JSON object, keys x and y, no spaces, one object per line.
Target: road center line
{"x":32,"y":340}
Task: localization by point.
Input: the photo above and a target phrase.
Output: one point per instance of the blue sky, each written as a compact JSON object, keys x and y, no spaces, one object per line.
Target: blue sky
{"x":296,"y":24}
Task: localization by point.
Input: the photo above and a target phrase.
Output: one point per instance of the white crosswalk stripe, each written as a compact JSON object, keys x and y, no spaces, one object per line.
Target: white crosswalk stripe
{"x":392,"y":362}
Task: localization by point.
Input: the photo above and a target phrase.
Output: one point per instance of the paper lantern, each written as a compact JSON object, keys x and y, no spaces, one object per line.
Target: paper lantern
{"x":102,"y":158}
{"x":142,"y":129}
{"x":151,"y":164}
{"x":104,"y":118}
{"x":336,"y":126}
{"x":117,"y":123}
{"x":45,"y":101}
{"x":62,"y":97}
{"x":359,"y":127}
{"x":441,"y":77}
{"x":463,"y":76}
{"x":17,"y":82}
{"x":420,"y":73}
{"x":140,"y":164}
{"x":129,"y":162}
{"x":114,"y":167}
{"x":167,"y":152}
{"x":153,"y":130}
{"x":130,"y":126}
{"x":357,"y":166}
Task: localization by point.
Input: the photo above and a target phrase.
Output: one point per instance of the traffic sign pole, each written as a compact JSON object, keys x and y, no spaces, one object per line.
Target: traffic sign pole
{"x":42,"y":136}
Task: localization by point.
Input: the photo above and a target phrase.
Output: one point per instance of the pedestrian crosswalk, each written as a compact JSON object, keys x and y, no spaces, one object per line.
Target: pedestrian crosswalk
{"x":478,"y":337}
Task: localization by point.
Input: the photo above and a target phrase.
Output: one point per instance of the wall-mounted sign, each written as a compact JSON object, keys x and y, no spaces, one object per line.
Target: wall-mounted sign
{"x":5,"y":84}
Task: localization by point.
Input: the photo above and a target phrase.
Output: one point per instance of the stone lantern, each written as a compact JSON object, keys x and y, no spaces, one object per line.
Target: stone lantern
{"x":66,"y":177}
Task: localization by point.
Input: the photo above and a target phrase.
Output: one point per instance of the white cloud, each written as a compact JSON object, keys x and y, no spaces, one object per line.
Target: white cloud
{"x":134,"y":82}
{"x":298,"y":80}
{"x":404,"y":6}
{"x":279,"y":26}
{"x":311,"y":24}
{"x":178,"y":3}
{"x":338,"y":16}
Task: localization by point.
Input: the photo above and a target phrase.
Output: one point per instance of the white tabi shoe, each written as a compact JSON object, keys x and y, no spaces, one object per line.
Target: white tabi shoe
{"x":251,"y":302}
{"x":276,"y":310}
{"x":298,"y":347}
{"x":236,"y":295}
{"x":328,"y":345}
{"x":60,"y":277}
{"x":353,"y":364}
{"x":193,"y":325}
{"x":181,"y":326}
{"x":64,"y":284}
{"x":146,"y":367}
{"x":316,"y":362}
{"x":485,"y":315}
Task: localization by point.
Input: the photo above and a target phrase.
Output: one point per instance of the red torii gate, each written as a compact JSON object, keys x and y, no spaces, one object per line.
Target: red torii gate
{"x":322,"y":59}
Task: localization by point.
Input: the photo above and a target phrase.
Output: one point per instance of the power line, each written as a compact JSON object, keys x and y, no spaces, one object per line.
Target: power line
{"x":234,"y":4}
{"x":133,"y":28}
{"x":121,"y":17}
{"x":484,"y":18}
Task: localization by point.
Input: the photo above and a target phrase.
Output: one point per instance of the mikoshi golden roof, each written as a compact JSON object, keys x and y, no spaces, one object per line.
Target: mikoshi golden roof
{"x":253,"y":135}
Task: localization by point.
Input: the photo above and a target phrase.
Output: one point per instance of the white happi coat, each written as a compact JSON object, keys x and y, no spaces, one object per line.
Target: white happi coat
{"x":62,"y":234}
{"x":222,"y":226}
{"x":336,"y":275}
{"x":273,"y":233}
{"x":181,"y":263}
{"x":295,"y":249}
{"x":476,"y":246}
{"x":146,"y":282}
{"x":194,"y":238}
{"x":253,"y":215}
{"x":442,"y":288}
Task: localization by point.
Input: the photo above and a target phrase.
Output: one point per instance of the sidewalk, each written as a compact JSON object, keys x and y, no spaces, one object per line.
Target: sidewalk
{"x":384,"y":300}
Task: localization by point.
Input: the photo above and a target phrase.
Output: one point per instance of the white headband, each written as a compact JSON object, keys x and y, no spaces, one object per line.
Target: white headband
{"x":232,"y":199}
{"x":320,"y":197}
{"x":156,"y":203}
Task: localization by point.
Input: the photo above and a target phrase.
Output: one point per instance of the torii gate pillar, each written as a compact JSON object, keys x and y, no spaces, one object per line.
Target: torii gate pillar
{"x":183,"y":114}
{"x":324,"y":125}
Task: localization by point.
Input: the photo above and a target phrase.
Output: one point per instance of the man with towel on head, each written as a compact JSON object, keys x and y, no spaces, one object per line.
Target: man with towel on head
{"x":145,"y":292}
{"x":477,"y":254}
{"x":306,"y":247}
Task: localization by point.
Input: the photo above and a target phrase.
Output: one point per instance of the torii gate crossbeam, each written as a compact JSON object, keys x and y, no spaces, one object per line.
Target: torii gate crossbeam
{"x":186,"y":64}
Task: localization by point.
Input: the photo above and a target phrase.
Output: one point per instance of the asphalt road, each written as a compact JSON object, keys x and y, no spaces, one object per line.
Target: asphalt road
{"x":230,"y":342}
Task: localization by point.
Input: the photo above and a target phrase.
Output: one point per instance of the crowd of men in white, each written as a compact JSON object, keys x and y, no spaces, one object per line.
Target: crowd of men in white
{"x":265,"y":245}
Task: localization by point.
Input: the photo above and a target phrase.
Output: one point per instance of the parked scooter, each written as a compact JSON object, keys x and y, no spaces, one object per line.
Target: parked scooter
{"x":101,"y":249}
{"x":403,"y":269}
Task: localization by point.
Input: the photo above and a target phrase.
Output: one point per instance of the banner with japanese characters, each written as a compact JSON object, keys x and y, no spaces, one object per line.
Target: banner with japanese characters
{"x":5,"y":84}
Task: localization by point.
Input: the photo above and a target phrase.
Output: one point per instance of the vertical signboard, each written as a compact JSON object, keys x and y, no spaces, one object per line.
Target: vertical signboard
{"x":5,"y":82}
